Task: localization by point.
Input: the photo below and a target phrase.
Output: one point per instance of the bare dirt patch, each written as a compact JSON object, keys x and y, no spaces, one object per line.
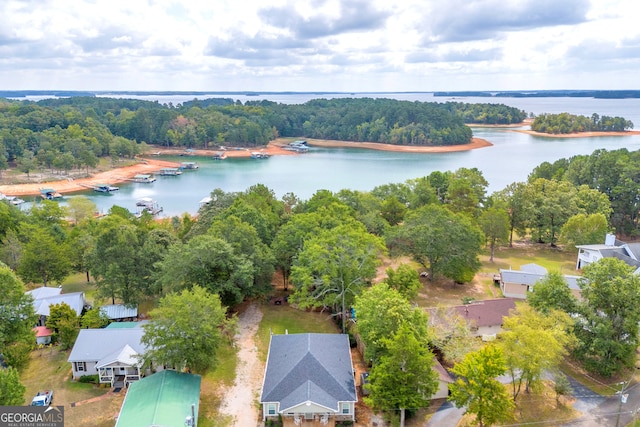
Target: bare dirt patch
{"x":239,"y":401}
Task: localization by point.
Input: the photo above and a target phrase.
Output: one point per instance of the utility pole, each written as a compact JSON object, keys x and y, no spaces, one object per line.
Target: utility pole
{"x":623,"y":399}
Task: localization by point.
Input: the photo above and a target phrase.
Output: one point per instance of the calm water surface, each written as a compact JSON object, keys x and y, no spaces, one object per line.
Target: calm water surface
{"x":512,"y":158}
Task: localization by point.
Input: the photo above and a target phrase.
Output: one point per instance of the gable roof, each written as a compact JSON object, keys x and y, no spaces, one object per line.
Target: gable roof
{"x":124,"y":356}
{"x":309,"y":368}
{"x":44,"y":292}
{"x":98,"y":344}
{"x":42,"y":331}
{"x":488,"y":312}
{"x":162,"y":399}
{"x":531,"y":278}
{"x":75,"y":300}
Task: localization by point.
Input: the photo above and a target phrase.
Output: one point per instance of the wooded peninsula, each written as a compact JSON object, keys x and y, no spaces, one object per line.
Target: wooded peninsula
{"x":75,"y":132}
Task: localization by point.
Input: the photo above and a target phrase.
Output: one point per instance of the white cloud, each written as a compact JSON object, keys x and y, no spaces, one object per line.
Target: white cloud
{"x":347,"y":45}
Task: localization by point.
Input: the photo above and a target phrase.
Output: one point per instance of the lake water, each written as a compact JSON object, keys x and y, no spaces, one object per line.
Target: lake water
{"x":512,"y":157}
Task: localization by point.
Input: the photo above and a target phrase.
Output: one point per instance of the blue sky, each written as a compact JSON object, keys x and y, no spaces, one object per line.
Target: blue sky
{"x":319,"y":45}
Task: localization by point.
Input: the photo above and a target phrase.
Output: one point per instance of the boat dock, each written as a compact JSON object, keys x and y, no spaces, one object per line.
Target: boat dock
{"x":170,"y":172}
{"x":148,"y":205}
{"x":188,"y":166}
{"x":50,"y":194}
{"x":143,"y":178}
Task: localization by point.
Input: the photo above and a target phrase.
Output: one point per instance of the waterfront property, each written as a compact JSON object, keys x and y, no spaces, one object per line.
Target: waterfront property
{"x":309,"y":379}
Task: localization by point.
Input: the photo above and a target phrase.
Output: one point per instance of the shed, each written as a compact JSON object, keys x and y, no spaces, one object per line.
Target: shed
{"x":119,"y":312}
{"x":167,"y":399}
{"x":43,"y":335}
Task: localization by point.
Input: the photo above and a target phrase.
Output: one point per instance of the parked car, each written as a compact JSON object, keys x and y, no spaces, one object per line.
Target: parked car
{"x":43,"y":398}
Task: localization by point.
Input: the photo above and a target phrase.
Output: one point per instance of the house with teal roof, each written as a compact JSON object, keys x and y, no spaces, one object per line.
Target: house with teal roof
{"x":167,"y":399}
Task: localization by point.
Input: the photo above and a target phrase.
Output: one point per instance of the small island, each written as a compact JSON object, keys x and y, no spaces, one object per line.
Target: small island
{"x":565,"y":124}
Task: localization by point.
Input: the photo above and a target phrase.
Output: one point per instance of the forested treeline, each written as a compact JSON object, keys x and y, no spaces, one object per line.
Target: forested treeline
{"x":75,"y":132}
{"x":613,"y":173}
{"x":328,"y":248}
{"x":571,"y":123}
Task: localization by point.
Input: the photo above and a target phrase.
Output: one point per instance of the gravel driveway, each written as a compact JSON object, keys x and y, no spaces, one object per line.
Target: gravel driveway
{"x":239,"y":400}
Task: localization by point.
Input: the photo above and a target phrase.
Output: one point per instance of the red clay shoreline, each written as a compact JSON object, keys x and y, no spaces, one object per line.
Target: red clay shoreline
{"x":148,"y":165}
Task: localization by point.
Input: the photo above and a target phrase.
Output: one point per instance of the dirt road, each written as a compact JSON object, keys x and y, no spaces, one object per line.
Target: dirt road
{"x":239,"y":400}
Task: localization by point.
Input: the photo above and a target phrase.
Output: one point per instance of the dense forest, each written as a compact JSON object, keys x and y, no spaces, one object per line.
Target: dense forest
{"x":570,"y":123}
{"x":75,"y":132}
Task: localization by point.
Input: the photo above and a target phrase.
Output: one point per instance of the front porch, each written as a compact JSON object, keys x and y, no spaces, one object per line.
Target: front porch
{"x":309,"y":420}
{"x":118,"y":376}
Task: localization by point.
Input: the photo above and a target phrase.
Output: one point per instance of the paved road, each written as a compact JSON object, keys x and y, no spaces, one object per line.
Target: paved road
{"x":597,"y":410}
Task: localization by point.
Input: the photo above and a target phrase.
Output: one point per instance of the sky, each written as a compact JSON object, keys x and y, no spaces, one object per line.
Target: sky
{"x":319,"y":45}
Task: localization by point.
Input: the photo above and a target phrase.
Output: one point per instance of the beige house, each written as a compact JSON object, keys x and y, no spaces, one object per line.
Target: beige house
{"x":518,"y":283}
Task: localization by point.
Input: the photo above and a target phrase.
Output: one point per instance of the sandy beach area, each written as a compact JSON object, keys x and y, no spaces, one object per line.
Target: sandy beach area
{"x":151,"y":163}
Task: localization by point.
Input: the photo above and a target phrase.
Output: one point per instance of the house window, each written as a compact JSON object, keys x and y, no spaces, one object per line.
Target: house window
{"x":308,"y":415}
{"x":271,"y":409}
{"x":345,"y":408}
{"x":81,"y":366}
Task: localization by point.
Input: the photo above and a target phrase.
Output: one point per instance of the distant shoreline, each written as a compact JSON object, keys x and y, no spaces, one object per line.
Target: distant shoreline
{"x":576,"y":134}
{"x":153,"y":164}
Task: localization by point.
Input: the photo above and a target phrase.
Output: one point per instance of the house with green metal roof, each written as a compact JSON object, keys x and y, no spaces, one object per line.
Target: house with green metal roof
{"x":167,"y":398}
{"x":309,"y":378}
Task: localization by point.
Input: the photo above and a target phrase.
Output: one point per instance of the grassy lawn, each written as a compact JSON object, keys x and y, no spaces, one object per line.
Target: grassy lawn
{"x":553,"y":259}
{"x":49,"y":369}
{"x":213,"y":383}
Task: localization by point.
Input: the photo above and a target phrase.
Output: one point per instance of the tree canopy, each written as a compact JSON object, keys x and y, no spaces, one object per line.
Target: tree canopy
{"x":185,"y":330}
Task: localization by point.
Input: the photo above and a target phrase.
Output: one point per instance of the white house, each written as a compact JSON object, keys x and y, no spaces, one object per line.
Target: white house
{"x":309,"y":379}
{"x":112,"y":353}
{"x":612,"y":248}
{"x":44,"y":297}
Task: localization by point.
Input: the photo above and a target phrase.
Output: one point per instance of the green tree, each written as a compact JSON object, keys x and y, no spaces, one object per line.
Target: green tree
{"x":584,"y":229}
{"x":477,"y":387}
{"x":552,"y":292}
{"x":380,"y":310}
{"x":405,"y":280}
{"x":44,"y":259}
{"x":208,"y":262}
{"x":11,"y":389}
{"x":17,"y":317}
{"x":94,"y":319}
{"x":27,"y":162}
{"x":80,"y":208}
{"x":64,"y":321}
{"x":515,"y":198}
{"x":445,"y":243}
{"x":334,"y":267}
{"x":494,"y":222}
{"x":450,"y":333}
{"x":115,"y":260}
{"x":179,"y":337}
{"x":532,"y":343}
{"x":404,"y":376}
{"x":607,"y":329}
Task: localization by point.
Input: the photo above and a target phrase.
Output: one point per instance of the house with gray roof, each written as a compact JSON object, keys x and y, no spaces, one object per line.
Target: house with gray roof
{"x":309,"y":378}
{"x":112,"y":353}
{"x":120,"y":312}
{"x":518,"y":283}
{"x":612,"y":248}
{"x":44,"y":297}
